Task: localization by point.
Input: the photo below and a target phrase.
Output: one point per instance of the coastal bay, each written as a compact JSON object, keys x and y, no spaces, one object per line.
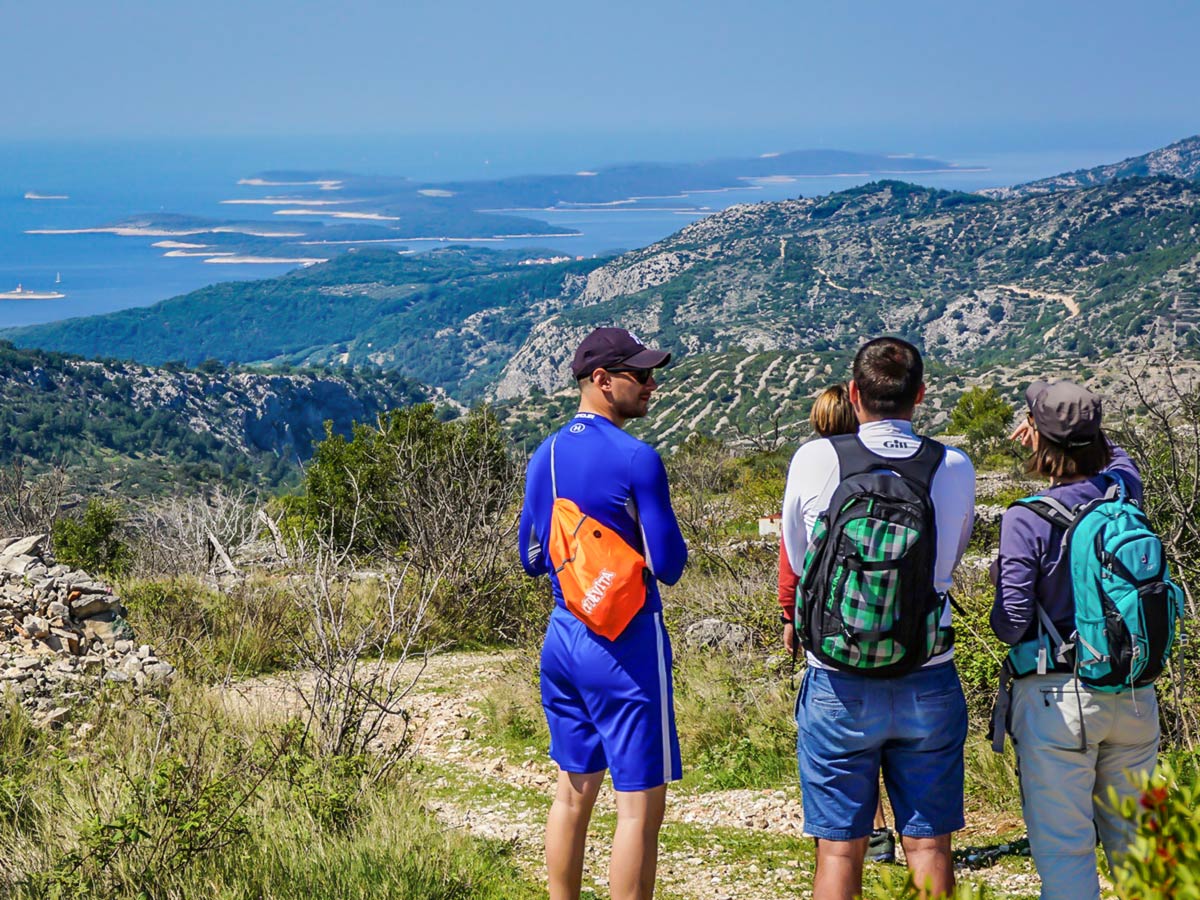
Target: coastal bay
{"x":104,"y":242}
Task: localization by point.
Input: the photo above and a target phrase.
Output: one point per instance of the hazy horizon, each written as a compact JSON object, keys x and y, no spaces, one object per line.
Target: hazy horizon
{"x":865,"y":76}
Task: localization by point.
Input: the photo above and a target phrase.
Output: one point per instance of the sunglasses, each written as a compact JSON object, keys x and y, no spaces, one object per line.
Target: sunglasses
{"x":641,"y":376}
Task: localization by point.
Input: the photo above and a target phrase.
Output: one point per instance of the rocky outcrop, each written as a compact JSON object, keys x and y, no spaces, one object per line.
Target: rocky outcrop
{"x":618,"y":280}
{"x":1178,"y":160}
{"x":63,"y":634}
{"x":543,"y":362}
{"x":714,"y":634}
{"x":252,"y":412}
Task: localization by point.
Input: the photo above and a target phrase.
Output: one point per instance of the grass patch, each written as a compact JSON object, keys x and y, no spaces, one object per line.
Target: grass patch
{"x":214,"y":635}
{"x":735,"y":722}
{"x":734,"y":718}
{"x":511,"y":718}
{"x":443,"y":781}
{"x":166,"y":799}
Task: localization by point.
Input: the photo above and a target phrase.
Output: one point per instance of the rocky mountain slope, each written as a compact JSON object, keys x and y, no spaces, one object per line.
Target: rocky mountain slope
{"x":1178,"y":160}
{"x":976,"y":281}
{"x":120,"y":418}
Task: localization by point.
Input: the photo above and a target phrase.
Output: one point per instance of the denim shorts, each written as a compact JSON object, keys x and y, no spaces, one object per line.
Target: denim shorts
{"x":850,"y":727}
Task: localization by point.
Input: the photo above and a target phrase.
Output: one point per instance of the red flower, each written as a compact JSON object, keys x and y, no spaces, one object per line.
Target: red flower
{"x":1153,"y":798}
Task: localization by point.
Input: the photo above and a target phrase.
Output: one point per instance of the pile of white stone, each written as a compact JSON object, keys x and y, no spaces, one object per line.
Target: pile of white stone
{"x":63,"y":634}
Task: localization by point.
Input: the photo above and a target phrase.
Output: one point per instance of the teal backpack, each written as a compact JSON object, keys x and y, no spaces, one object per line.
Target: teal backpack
{"x":1126,"y":605}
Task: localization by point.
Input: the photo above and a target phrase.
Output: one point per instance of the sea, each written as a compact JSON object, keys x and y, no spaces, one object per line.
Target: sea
{"x":100,"y":182}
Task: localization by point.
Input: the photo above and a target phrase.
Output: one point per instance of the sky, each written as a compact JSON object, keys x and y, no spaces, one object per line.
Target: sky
{"x":825,"y":73}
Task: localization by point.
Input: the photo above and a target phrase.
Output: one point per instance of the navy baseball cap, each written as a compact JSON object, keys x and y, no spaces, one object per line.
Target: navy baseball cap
{"x":611,"y":348}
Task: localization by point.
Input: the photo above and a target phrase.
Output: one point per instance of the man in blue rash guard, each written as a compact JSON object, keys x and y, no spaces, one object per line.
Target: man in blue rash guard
{"x":608,"y":703}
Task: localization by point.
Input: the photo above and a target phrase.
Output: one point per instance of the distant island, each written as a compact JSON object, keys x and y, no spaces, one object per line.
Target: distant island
{"x":297,"y":210}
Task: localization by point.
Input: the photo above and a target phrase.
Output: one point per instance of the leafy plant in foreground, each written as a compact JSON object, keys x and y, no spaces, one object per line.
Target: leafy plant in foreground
{"x":1164,"y":858}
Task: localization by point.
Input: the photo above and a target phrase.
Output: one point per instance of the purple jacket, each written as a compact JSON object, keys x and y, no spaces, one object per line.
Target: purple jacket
{"x":1030,"y":551}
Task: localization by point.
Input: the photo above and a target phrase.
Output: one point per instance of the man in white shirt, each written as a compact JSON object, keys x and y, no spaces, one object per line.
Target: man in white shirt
{"x":912,"y":726}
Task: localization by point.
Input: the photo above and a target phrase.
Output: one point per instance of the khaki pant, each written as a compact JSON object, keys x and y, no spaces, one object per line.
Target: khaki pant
{"x":1073,"y":744}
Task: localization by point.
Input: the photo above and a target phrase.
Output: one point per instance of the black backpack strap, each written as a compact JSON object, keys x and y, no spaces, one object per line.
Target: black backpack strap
{"x":854,"y":458}
{"x":1057,"y":514}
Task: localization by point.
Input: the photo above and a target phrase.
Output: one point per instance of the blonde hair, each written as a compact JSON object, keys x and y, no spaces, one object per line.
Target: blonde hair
{"x":832,"y":412}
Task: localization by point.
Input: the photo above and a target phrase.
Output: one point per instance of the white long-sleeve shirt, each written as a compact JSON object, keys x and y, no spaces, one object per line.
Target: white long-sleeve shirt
{"x":815,"y":474}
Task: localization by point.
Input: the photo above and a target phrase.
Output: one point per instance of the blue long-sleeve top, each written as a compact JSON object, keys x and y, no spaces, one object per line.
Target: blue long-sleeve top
{"x":1030,"y":569}
{"x":619,"y":481}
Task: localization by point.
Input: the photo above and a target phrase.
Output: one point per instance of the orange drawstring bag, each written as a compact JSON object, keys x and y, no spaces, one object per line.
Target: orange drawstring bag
{"x":603,"y":579}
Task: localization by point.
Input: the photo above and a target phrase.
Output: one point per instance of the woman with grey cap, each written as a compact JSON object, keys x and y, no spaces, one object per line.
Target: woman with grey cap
{"x":1073,"y":742}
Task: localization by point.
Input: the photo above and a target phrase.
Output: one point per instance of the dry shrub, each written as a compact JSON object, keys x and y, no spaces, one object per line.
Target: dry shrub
{"x":179,"y":536}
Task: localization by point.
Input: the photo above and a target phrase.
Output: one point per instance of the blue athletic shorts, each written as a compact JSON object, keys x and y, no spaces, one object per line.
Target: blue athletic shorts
{"x":849,"y":727}
{"x":610,"y":704}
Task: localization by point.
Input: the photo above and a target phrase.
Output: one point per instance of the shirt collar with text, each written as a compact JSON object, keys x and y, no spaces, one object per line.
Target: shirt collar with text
{"x":885,"y":427}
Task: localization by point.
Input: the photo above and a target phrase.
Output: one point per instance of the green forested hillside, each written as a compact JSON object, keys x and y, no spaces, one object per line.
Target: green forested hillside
{"x":451,"y":318}
{"x":167,"y":428}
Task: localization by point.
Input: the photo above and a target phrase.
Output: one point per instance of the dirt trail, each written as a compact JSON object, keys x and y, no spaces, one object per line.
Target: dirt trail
{"x":718,"y":845}
{"x":845,"y":288}
{"x":1066,"y":300}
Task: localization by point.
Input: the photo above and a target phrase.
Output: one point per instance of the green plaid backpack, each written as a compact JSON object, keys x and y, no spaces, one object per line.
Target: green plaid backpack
{"x":867,"y":600}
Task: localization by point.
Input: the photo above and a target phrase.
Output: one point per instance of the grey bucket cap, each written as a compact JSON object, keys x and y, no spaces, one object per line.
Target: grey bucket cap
{"x":1064,"y":412}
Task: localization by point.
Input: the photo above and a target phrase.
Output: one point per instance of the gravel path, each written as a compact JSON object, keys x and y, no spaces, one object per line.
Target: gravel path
{"x":446,"y":718}
{"x":717,"y":845}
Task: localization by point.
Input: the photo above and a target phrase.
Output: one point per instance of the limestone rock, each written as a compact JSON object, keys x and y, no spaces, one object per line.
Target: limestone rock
{"x":90,"y":605}
{"x":35,"y":627}
{"x":108,"y":630}
{"x":27,"y":546}
{"x":714,"y":633}
{"x":62,"y":633}
{"x":158,"y":672}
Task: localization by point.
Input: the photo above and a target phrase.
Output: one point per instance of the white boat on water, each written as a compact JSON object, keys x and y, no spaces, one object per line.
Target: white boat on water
{"x":21,"y":294}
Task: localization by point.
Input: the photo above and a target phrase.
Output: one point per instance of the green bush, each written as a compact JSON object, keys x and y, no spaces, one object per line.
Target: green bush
{"x":441,"y":498}
{"x":93,"y":542}
{"x":410,"y":483}
{"x":978,"y":654}
{"x":735,"y":721}
{"x":1164,"y":858}
{"x":983,"y":418}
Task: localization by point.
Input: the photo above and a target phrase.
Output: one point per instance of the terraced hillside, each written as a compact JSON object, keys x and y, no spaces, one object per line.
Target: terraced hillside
{"x":762,"y":399}
{"x":977,"y":282}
